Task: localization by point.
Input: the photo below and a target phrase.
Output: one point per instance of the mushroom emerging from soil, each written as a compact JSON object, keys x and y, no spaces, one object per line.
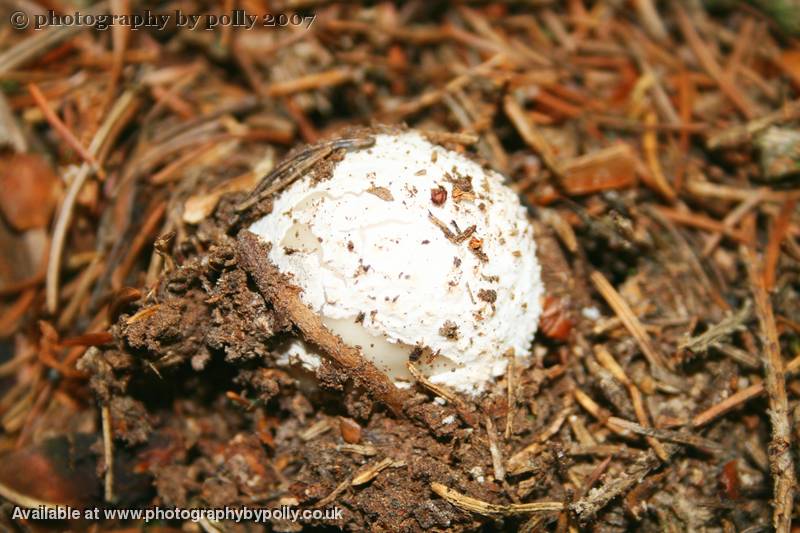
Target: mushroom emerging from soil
{"x":411,"y":252}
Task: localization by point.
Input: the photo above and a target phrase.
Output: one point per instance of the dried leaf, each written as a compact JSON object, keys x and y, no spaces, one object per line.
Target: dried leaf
{"x":30,"y":190}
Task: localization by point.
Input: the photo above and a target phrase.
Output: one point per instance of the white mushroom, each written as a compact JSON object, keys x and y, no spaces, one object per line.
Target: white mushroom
{"x":410,"y":250}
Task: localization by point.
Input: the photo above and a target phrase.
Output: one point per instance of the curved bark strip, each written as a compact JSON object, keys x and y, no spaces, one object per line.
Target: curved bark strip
{"x":276,"y":288}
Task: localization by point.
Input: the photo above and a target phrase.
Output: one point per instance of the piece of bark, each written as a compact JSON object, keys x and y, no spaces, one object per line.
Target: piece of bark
{"x":277,"y":289}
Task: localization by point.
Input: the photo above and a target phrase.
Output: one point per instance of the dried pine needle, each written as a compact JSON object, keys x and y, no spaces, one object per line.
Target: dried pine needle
{"x":481,"y":507}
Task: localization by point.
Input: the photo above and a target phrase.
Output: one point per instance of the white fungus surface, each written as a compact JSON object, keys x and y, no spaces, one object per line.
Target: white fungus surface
{"x":379,"y":271}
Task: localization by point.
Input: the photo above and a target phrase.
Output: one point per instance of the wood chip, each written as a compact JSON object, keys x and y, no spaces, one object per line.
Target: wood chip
{"x":360,"y":449}
{"x":613,"y":167}
{"x":381,"y":192}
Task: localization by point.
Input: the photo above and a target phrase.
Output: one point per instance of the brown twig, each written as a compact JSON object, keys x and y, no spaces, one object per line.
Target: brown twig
{"x":782,"y":464}
{"x":532,"y":136}
{"x":291,"y":169}
{"x":107,"y":131}
{"x":40,"y":41}
{"x":730,"y":137}
{"x":519,"y":462}
{"x":738,"y":398}
{"x":431,"y":97}
{"x":494,"y":450}
{"x":108,"y":453}
{"x":63,"y":130}
{"x":607,"y":360}
{"x":316,"y":80}
{"x":657,"y":361}
{"x":779,"y":229}
{"x":714,"y":334}
{"x":23,"y":500}
{"x":142,"y":238}
{"x":700,"y":221}
{"x":278,"y":290}
{"x":587,"y":507}
{"x":367,"y":474}
{"x":461,"y":408}
{"x":706,"y":59}
{"x":667,"y":435}
{"x":651,"y":152}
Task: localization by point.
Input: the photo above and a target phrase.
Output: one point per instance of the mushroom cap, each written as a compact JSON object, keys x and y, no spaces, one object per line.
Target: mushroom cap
{"x":402,"y":270}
